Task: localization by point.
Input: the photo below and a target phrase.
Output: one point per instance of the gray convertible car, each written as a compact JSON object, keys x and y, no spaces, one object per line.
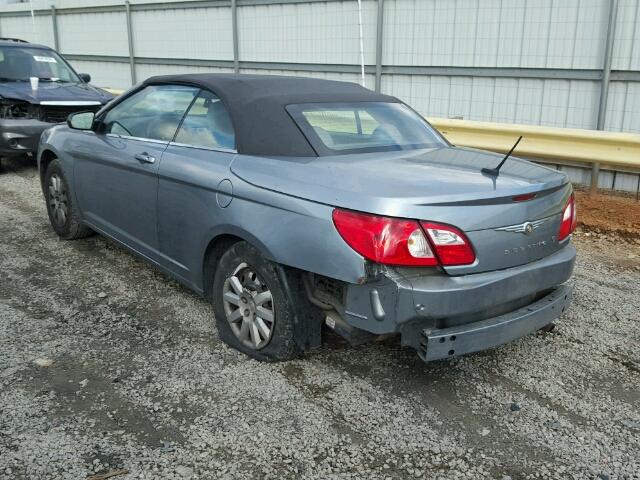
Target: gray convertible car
{"x":294,"y":203}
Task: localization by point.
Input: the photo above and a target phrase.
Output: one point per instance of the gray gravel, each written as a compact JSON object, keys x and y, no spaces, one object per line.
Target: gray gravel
{"x":107,"y":364}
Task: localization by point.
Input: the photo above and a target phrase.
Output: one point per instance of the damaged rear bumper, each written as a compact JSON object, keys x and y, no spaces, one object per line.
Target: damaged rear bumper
{"x":443,"y":316}
{"x":476,"y":336}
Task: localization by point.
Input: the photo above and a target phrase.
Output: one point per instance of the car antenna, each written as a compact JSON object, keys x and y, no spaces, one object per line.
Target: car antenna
{"x":494,"y":172}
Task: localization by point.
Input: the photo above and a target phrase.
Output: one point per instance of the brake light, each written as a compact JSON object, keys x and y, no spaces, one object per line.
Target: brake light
{"x":402,"y":242}
{"x":569,"y":219}
{"x":524,"y":197}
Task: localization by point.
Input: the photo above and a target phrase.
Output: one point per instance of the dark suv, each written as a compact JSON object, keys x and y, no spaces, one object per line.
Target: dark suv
{"x":38,"y":88}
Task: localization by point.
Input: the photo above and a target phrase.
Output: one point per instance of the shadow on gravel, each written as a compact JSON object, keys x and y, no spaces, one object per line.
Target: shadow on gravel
{"x":78,"y":391}
{"x":17,"y":165}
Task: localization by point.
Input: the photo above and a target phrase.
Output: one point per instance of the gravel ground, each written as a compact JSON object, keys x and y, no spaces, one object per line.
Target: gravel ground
{"x":106,"y":364}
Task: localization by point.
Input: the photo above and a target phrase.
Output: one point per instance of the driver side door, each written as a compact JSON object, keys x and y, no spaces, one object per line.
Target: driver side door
{"x":116,"y":168}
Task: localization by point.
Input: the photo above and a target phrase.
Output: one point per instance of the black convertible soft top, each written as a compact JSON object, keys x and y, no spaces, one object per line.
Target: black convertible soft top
{"x":257,"y":104}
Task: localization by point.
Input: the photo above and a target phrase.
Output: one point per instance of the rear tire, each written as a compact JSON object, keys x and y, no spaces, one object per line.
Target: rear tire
{"x":252,"y":311}
{"x":64,"y":214}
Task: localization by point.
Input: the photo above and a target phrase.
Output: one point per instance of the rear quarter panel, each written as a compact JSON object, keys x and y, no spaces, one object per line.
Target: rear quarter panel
{"x":291,"y":231}
{"x":288,"y":230}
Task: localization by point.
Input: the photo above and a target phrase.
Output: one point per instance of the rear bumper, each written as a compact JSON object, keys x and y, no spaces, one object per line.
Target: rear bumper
{"x":473,"y":337}
{"x":20,"y":136}
{"x":396,"y":298}
{"x":481,"y":310}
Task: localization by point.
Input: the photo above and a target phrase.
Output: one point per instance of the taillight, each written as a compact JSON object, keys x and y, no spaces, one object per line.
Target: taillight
{"x":392,"y":241}
{"x":569,"y":219}
{"x":396,"y":241}
{"x":451,"y":245}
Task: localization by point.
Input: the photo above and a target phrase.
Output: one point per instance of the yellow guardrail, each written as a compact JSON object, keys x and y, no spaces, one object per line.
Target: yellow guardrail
{"x":113,"y":91}
{"x":547,"y":143}
{"x":582,"y":146}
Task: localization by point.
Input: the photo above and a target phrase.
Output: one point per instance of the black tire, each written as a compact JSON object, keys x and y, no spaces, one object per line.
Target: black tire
{"x":68,"y":226}
{"x":282,"y":343}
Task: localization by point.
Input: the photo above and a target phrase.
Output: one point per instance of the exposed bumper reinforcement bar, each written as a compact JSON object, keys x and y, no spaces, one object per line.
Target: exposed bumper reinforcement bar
{"x":476,"y":336}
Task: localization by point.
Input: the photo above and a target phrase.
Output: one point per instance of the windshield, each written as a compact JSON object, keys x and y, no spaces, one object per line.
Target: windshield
{"x":18,"y":64}
{"x":361,"y":127}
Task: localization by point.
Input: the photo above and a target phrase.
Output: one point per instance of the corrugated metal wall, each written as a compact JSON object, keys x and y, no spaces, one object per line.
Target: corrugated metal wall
{"x":479,"y":36}
{"x":543,"y":34}
{"x":320,"y":32}
{"x":496,"y":33}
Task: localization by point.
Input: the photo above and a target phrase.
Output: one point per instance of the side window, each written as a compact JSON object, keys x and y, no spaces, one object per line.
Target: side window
{"x":154,"y":112}
{"x":207,"y":124}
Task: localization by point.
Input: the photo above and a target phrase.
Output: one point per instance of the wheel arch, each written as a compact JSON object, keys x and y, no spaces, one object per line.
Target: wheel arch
{"x":46,"y":157}
{"x":219,"y":243}
{"x":308,"y":318}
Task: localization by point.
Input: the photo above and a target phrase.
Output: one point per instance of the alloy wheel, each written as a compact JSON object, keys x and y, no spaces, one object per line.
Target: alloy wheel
{"x":248,"y":305}
{"x":58,"y":200}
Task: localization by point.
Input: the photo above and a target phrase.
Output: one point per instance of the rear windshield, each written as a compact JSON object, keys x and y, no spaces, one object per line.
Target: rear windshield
{"x":359,"y":127}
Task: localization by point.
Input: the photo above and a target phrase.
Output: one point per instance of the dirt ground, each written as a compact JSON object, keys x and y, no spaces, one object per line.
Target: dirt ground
{"x":106,"y":366}
{"x":608,"y":213}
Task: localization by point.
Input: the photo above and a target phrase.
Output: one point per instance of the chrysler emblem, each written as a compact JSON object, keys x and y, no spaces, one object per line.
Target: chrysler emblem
{"x":527,"y":227}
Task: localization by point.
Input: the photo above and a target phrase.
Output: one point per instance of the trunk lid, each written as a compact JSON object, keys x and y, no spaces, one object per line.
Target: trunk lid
{"x":441,"y":185}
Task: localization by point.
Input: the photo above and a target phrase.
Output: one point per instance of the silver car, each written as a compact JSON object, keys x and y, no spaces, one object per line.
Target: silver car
{"x":295,"y":203}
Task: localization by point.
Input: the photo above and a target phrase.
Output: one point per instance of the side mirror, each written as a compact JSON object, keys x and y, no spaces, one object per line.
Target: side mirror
{"x":81,"y":120}
{"x":85,"y":77}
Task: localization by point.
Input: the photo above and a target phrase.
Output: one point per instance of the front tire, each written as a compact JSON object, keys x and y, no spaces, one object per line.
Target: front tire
{"x":252,"y":312}
{"x":64,"y":215}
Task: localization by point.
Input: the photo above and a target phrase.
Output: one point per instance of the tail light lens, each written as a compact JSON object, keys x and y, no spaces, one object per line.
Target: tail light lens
{"x":396,"y":241}
{"x":391,"y":241}
{"x":451,"y":244}
{"x":569,"y":219}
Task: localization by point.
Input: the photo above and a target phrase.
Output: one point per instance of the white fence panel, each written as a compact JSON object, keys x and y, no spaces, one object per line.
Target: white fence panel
{"x":319,"y":32}
{"x":204,"y":33}
{"x":495,"y":33}
{"x":93,"y":33}
{"x":558,"y":103}
{"x":149,"y":70}
{"x":38,"y":29}
{"x":626,"y":46}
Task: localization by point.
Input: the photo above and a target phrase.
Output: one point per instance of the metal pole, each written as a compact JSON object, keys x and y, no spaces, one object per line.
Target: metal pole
{"x":54,"y":23}
{"x":33,"y":20}
{"x":132,"y":58}
{"x":234,"y":22}
{"x":379,"y":45}
{"x":362,"y":76}
{"x":604,"y":89}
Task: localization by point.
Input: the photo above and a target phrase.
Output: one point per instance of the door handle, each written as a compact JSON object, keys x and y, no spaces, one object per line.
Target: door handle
{"x":144,"y":157}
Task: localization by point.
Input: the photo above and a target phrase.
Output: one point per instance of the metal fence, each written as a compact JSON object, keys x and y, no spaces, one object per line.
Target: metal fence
{"x":568,"y":63}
